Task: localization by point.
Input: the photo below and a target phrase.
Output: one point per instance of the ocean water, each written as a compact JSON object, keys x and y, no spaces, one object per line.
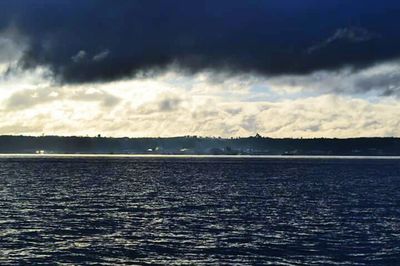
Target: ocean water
{"x":165,"y":210}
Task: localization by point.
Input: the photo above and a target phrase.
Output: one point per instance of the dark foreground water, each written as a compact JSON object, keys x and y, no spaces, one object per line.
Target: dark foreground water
{"x":199,"y":211}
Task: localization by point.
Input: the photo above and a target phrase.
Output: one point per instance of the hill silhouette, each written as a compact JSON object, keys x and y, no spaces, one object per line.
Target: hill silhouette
{"x":256,"y":145}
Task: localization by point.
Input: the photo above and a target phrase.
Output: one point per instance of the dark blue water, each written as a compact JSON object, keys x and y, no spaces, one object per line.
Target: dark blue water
{"x":199,"y":211}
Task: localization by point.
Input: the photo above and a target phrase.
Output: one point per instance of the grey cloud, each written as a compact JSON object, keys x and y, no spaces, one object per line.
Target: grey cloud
{"x":250,"y":123}
{"x":25,"y":99}
{"x":234,"y":110}
{"x":8,"y":52}
{"x":106,"y":99}
{"x":79,"y":57}
{"x":381,"y":80}
{"x":13,"y":127}
{"x":386,"y":84}
{"x":350,"y":34}
{"x":110,"y":100}
{"x":101,"y":56}
{"x":204,"y":114}
{"x":163,"y":103}
{"x":12,"y":45}
{"x":169,"y":104}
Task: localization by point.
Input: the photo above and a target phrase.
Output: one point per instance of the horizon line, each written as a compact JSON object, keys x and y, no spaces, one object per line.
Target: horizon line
{"x":197,"y":136}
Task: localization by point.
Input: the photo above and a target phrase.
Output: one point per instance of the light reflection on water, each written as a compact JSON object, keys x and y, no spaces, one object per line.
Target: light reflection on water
{"x":165,"y":210}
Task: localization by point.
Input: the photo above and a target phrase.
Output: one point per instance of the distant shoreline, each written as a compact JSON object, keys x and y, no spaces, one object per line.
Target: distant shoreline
{"x":201,"y":146}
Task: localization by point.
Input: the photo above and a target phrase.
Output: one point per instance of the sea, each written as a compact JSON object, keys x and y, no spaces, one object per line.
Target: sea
{"x":199,"y":210}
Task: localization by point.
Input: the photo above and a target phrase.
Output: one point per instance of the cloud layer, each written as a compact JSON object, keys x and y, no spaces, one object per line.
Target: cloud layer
{"x":87,"y":40}
{"x":282,"y":68}
{"x":174,"y":104}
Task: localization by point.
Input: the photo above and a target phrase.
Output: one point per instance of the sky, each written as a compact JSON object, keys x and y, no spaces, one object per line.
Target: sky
{"x":280,"y":68}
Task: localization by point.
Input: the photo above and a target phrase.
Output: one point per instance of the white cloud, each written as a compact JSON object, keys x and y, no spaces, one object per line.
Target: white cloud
{"x":324,"y":104}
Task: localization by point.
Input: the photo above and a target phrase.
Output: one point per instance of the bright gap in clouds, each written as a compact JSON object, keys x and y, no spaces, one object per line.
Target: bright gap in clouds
{"x":343,"y":103}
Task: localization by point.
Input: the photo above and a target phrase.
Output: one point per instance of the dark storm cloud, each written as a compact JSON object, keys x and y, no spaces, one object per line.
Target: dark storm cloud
{"x":84,"y":41}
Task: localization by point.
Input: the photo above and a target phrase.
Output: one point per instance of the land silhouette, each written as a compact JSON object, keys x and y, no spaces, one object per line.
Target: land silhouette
{"x":255,"y":145}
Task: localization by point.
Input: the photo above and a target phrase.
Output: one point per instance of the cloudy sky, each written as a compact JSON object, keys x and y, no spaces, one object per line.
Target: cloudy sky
{"x":282,"y":68}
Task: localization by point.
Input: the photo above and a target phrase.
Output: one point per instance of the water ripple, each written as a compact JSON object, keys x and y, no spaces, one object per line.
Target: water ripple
{"x":199,"y":211}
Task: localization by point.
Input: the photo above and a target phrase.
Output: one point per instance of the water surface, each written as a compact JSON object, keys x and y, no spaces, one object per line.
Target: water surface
{"x":168,"y":210}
